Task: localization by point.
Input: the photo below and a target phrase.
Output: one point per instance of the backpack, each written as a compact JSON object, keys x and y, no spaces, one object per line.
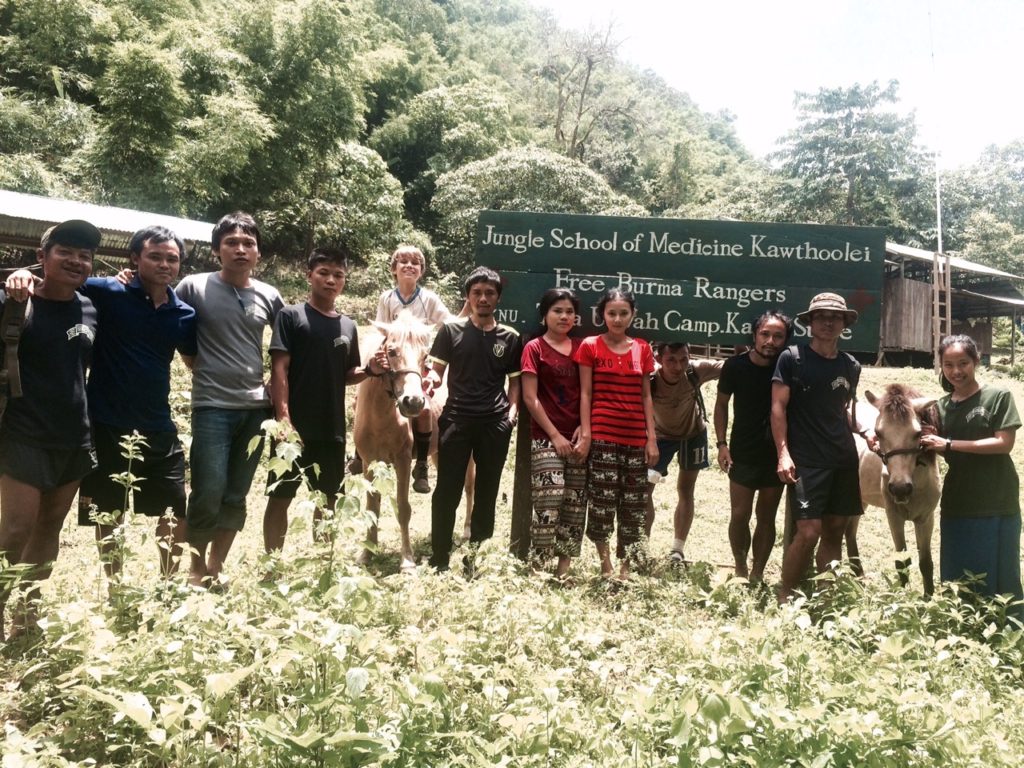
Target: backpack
{"x":850,"y":360}
{"x":12,"y":322}
{"x":691,"y":376}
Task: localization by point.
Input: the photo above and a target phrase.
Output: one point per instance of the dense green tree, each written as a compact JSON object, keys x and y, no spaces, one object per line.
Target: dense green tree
{"x":850,"y":160}
{"x":348,"y":198}
{"x":989,"y":240}
{"x":53,"y":47}
{"x":522,"y":179}
{"x":140,"y":105}
{"x":301,"y":71}
{"x":212,"y":148}
{"x":441,"y":130}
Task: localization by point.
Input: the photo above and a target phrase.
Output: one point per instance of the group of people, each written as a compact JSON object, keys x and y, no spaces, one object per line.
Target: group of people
{"x":65,"y":434}
{"x":608,"y":413}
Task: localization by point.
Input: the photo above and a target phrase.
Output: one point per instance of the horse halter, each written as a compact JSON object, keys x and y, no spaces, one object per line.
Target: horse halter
{"x":899,"y":452}
{"x":391,"y":375}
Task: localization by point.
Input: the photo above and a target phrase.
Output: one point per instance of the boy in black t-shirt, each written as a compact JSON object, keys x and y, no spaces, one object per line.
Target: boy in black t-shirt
{"x":478,"y":416}
{"x":314,"y":354}
{"x":45,"y":446}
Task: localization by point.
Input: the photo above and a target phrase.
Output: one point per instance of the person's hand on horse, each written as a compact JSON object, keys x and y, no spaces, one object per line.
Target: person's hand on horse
{"x":932,"y":442}
{"x":872,"y":440}
{"x":431,"y":382}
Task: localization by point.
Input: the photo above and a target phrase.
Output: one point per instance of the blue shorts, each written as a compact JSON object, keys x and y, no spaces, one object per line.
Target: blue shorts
{"x":692,"y":452}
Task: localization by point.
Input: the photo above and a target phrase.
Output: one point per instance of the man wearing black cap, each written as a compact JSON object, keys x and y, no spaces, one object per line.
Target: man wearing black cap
{"x":45,"y":446}
{"x":811,"y":388}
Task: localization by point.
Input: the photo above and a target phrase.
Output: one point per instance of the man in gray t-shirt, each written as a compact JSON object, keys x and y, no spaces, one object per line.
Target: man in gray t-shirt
{"x":229,"y":398}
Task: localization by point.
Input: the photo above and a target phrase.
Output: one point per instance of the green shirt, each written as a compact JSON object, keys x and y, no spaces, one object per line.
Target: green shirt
{"x":979,"y":485}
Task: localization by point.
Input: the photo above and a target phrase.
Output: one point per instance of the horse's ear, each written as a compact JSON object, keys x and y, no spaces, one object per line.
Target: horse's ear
{"x":384,"y":328}
{"x":922,"y":404}
{"x":870,"y":396}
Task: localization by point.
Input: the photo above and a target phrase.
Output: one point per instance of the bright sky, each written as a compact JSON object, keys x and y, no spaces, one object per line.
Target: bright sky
{"x":750,"y":56}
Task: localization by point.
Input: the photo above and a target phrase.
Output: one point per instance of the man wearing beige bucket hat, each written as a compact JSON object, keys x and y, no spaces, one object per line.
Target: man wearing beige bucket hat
{"x":811,"y":388}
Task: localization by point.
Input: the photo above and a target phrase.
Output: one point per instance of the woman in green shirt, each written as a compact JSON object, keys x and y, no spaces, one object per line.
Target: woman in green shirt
{"x":980,"y":509}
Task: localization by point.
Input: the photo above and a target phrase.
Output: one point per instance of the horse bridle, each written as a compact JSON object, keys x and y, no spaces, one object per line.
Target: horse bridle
{"x":391,"y":375}
{"x":899,"y":452}
{"x":904,"y":451}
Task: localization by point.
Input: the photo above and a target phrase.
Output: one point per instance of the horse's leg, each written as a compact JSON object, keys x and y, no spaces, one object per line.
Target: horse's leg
{"x":373,"y":505}
{"x":899,"y":540}
{"x":852,"y":549}
{"x":923,"y":528}
{"x":404,"y":510}
{"x":468,"y":492}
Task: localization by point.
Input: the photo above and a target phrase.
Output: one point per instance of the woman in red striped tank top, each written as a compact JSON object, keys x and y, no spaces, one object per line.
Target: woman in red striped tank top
{"x":617,"y":422}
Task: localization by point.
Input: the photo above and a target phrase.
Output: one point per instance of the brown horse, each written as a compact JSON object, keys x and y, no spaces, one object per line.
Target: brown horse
{"x":901,"y":478}
{"x":384,"y":407}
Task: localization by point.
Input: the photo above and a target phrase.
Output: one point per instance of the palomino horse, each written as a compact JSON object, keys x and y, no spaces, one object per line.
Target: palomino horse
{"x":901,"y":478}
{"x":384,"y":406}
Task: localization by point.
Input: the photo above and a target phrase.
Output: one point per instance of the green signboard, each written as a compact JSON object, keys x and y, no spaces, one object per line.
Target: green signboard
{"x":698,"y":281}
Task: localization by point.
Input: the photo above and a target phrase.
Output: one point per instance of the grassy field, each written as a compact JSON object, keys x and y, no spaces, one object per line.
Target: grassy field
{"x":338,"y":665}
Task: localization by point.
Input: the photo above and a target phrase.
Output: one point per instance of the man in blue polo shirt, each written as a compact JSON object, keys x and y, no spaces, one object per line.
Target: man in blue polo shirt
{"x":141,"y":324}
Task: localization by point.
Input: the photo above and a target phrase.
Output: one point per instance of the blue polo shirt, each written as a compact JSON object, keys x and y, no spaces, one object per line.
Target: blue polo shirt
{"x":130,"y":378}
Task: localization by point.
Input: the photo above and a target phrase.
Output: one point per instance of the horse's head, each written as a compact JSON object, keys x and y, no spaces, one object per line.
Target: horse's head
{"x":406,"y":342}
{"x":901,"y":413}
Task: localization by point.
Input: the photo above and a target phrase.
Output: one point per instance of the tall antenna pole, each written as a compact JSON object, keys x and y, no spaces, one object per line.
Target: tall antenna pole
{"x":942,"y":293}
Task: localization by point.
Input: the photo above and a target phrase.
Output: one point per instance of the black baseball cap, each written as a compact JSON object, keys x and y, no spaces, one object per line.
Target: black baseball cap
{"x":75,"y":233}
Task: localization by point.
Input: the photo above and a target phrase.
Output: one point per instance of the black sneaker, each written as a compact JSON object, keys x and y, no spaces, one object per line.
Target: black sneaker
{"x":420,"y":483}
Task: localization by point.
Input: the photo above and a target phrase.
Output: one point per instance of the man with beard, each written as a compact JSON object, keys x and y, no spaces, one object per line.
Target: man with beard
{"x":749,"y":457}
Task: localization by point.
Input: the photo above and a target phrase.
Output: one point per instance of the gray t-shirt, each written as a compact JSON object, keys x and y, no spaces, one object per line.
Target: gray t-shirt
{"x":228,"y":369}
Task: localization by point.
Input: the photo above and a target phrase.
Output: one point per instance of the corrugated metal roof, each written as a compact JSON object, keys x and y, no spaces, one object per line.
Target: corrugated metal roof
{"x":24,"y":218}
{"x":955,"y":262}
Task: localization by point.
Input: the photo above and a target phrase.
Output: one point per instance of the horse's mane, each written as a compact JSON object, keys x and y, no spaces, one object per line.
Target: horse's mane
{"x":898,"y":403}
{"x":408,"y":330}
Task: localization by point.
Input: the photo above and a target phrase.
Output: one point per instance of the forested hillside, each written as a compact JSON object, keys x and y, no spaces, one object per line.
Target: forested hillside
{"x":373,"y":121}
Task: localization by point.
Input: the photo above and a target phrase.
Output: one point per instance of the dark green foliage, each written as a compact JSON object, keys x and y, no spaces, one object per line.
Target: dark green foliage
{"x":197,"y":107}
{"x":526,"y":179}
{"x":852,"y":160}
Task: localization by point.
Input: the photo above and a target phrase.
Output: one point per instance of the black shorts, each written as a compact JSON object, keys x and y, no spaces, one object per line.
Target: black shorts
{"x":159,"y":473}
{"x":755,"y":476}
{"x":826,"y":491}
{"x":326,"y":477}
{"x":693,"y":453}
{"x":44,"y":468}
